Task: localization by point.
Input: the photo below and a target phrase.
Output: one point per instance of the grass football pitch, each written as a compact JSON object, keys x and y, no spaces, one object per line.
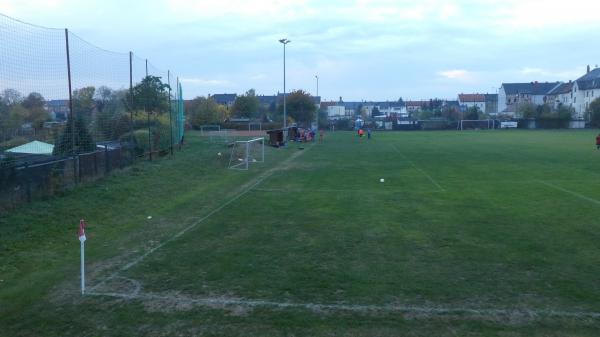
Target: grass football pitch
{"x":489,"y":233}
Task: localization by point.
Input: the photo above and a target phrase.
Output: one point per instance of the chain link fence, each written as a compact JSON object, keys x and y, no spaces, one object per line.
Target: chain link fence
{"x":72,"y":112}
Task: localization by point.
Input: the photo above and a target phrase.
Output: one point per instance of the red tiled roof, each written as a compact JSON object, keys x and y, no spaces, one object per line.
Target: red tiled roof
{"x":471,"y":98}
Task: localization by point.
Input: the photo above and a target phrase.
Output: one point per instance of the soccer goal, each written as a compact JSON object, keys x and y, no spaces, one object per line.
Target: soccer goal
{"x":245,"y":152}
{"x":206,"y":129}
{"x":470,"y":124}
{"x":221,"y":137}
{"x":255,"y":126}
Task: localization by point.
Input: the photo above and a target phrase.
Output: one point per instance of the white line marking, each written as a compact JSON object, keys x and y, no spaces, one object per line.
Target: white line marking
{"x":418,"y":169}
{"x":302,"y":190}
{"x":257,"y":182}
{"x":580,"y":196}
{"x":360,"y":308}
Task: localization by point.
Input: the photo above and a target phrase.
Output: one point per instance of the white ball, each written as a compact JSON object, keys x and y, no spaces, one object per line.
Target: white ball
{"x":381,"y":180}
{"x":149,"y":217}
{"x":219,"y":154}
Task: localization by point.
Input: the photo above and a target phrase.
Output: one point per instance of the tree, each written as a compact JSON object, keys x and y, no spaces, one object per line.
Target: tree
{"x":11,"y":96}
{"x":151,"y":95}
{"x":34,"y":103}
{"x":83,"y":103}
{"x":527,"y":110}
{"x":472,"y":113}
{"x":300,"y":106}
{"x":74,"y":132}
{"x":246,"y":106}
{"x":594,"y":110}
{"x":204,"y":111}
{"x":110,"y":108}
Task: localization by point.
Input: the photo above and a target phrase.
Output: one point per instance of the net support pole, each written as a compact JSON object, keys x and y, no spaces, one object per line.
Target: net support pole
{"x":170,"y":113}
{"x":131,"y":106}
{"x":148,"y":119}
{"x":72,"y":115}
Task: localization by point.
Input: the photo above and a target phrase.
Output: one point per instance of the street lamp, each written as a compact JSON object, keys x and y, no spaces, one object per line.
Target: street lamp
{"x":317,"y":114}
{"x":284,"y":42}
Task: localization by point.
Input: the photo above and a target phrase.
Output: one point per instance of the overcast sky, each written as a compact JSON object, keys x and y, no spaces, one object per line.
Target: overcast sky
{"x":363,"y":49}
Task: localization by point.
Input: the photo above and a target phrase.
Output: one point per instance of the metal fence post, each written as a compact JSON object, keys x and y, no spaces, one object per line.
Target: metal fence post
{"x":131,"y":140}
{"x":170,"y":112}
{"x":72,"y":115}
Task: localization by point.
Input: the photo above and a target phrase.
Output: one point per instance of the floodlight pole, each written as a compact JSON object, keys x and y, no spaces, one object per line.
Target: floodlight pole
{"x":284,"y":42}
{"x":317,"y":113}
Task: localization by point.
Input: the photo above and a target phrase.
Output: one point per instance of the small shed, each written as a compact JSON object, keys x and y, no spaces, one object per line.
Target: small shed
{"x":276,"y":137}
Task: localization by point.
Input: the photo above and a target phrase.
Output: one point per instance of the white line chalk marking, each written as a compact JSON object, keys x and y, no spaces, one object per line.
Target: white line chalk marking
{"x":418,"y":169}
{"x":575,"y":194}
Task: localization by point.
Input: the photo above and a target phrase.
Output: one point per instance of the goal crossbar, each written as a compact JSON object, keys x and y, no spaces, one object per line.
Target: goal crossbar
{"x":484,"y":123}
{"x":244,"y":152}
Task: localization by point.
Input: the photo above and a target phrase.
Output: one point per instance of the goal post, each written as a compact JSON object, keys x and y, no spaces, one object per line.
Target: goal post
{"x":246,"y":152}
{"x":205,"y":129}
{"x":220,"y":137}
{"x":476,"y":124}
{"x":254,"y":126}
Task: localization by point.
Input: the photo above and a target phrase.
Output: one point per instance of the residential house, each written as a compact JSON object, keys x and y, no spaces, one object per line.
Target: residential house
{"x":415,"y":106}
{"x":58,"y":109}
{"x":468,"y":101}
{"x":511,"y":95}
{"x":585,"y":90}
{"x":491,"y":104}
{"x":561,"y":96}
{"x":224,"y":99}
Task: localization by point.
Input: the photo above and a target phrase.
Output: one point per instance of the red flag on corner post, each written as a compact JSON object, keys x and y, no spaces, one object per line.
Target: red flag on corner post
{"x":82,"y":230}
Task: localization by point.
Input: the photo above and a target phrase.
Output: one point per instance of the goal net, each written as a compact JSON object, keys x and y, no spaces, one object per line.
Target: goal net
{"x":246,"y":152}
{"x":207,"y":129}
{"x":220,"y":137}
{"x":483,"y":124}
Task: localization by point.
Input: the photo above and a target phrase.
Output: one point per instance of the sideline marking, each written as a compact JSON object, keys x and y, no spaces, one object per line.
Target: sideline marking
{"x":257,"y":181}
{"x":418,"y":169}
{"x":360,"y":308}
{"x":580,"y":196}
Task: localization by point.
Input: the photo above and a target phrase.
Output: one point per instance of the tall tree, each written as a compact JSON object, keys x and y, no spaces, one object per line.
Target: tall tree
{"x":300,"y":106}
{"x":204,"y":111}
{"x":151,"y":95}
{"x":34,"y":103}
{"x":83,"y":103}
{"x":246,"y":106}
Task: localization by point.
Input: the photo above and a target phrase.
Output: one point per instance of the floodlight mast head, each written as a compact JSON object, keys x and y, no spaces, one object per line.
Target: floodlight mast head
{"x":285,"y":41}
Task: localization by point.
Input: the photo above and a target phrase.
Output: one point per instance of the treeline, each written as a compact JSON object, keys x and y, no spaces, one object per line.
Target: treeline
{"x":99,"y":114}
{"x":204,"y":110}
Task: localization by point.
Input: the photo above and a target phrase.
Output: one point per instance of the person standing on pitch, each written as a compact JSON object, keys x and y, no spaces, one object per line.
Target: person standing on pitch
{"x":598,"y":142}
{"x":321,"y":134}
{"x":368,"y":133}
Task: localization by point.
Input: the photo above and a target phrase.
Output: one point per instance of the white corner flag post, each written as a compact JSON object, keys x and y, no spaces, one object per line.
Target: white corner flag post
{"x":82,"y":241}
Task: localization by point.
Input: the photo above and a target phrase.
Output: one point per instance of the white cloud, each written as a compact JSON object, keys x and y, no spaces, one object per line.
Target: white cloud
{"x":205,"y":82}
{"x":455,"y":74}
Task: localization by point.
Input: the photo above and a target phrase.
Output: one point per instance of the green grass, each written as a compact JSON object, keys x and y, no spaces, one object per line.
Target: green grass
{"x":502,"y":222}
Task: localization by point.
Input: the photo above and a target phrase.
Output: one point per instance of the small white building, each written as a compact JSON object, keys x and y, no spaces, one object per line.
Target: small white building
{"x":336,"y":112}
{"x":467,"y":101}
